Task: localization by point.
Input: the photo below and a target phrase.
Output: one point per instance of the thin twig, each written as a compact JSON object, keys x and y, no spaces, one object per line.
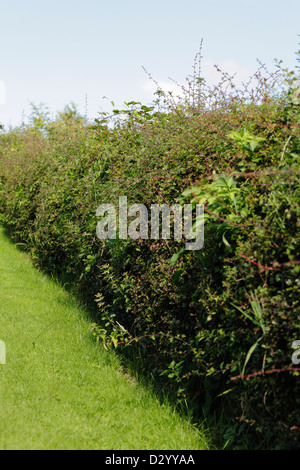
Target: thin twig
{"x":261,"y":372}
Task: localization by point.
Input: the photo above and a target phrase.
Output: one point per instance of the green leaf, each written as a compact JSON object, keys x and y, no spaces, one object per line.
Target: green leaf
{"x":258,"y":313}
{"x":225,"y":241}
{"x":114,"y":340}
{"x":246,"y":315}
{"x":225,"y":393}
{"x":249,"y":354}
{"x":176,"y":257}
{"x":165,"y":372}
{"x":253,"y":144}
{"x":194,"y":190}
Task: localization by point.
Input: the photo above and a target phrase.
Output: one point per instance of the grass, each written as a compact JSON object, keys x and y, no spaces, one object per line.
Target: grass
{"x":59,"y":389}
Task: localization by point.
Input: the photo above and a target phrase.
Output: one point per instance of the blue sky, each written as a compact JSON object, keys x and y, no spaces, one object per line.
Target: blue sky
{"x":62,"y":51}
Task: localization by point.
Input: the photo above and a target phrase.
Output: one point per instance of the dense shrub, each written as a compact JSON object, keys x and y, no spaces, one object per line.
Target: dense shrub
{"x":214,"y":326}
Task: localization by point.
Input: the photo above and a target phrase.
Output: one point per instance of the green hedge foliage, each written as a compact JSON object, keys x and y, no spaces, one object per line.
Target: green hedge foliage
{"x":213,"y":327}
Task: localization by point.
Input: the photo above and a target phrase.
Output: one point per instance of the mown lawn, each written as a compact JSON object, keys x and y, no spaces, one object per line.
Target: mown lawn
{"x":59,"y":389}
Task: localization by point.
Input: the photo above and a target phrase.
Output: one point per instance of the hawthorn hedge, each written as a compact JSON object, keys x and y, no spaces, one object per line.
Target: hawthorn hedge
{"x":213,"y":327}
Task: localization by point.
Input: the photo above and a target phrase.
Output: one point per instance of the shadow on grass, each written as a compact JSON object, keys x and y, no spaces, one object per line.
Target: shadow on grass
{"x":136,"y":365}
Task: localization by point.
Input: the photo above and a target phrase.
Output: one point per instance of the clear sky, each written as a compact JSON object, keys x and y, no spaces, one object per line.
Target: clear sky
{"x":62,"y":51}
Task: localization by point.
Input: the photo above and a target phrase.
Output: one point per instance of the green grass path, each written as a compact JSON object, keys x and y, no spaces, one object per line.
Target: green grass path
{"x":59,"y":389}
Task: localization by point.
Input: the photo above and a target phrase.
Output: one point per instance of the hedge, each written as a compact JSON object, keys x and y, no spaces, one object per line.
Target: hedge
{"x":213,"y":327}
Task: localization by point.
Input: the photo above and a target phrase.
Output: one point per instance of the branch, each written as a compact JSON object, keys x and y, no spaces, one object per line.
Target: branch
{"x":261,"y":372}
